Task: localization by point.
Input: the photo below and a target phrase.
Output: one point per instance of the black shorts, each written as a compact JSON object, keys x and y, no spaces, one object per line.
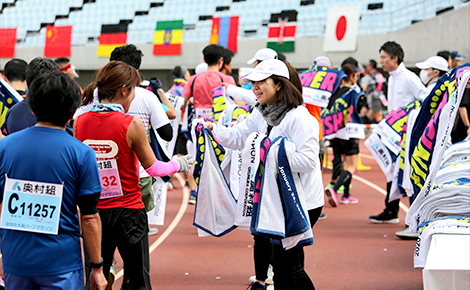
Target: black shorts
{"x":347,"y":147}
{"x":181,"y":141}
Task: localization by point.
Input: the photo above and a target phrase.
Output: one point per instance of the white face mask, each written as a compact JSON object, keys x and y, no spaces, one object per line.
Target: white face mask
{"x":423,"y":75}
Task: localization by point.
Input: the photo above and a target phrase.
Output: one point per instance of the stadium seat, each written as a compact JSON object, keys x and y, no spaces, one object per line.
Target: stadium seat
{"x":311,"y":19}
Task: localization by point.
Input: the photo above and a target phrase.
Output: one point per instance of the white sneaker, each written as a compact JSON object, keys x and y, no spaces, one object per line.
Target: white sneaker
{"x":192,"y":199}
{"x":153,"y":231}
{"x":407,"y":234}
{"x":270,"y":281}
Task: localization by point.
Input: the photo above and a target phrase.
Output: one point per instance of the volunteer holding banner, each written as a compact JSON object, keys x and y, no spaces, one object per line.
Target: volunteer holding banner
{"x":120,"y":142}
{"x":349,"y":148}
{"x":279,"y":114}
{"x":404,"y":87}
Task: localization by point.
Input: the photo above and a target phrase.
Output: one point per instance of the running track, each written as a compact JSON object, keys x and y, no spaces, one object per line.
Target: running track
{"x":349,"y":251}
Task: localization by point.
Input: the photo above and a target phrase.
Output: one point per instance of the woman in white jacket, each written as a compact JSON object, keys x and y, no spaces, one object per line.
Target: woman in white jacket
{"x":279,"y":112}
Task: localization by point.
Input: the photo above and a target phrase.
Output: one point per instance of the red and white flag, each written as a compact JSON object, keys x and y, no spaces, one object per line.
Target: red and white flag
{"x":341,"y":28}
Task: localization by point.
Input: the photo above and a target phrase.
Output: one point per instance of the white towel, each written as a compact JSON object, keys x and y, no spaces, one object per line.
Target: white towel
{"x":250,"y":163}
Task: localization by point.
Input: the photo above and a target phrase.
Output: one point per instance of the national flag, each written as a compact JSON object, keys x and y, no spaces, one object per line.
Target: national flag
{"x":58,"y":41}
{"x":168,"y":38}
{"x":225,"y":32}
{"x":112,"y":36}
{"x":342,"y":24}
{"x":8,"y":98}
{"x":8,"y":42}
{"x":281,"y":31}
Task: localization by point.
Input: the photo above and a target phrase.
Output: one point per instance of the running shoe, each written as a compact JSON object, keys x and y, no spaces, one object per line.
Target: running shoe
{"x":349,"y":200}
{"x":268,"y":281}
{"x":153,"y":231}
{"x":256,"y":286}
{"x":170,"y":186}
{"x":322,"y":216}
{"x":407,"y":235}
{"x":192,"y":199}
{"x":331,"y":193}
{"x":385,"y":217}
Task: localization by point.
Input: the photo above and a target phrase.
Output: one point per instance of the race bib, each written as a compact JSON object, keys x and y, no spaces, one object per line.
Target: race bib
{"x":205,"y":114}
{"x":109,"y":178}
{"x":316,"y":97}
{"x":31,"y":206}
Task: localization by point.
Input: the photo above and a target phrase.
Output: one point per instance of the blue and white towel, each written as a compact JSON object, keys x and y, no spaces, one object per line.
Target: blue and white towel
{"x":280,"y":212}
{"x":215,"y":205}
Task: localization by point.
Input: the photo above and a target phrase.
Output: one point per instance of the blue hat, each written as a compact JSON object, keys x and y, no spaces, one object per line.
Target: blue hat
{"x":455,"y":55}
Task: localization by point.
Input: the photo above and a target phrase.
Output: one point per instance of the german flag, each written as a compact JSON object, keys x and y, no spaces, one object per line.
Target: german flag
{"x":112,"y":36}
{"x":168,"y":38}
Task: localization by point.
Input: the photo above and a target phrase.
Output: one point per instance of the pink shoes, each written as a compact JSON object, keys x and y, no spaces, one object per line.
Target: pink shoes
{"x":331,"y":193}
{"x":349,"y":200}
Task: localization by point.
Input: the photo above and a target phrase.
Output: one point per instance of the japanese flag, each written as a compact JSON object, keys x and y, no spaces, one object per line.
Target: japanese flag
{"x":341,"y":28}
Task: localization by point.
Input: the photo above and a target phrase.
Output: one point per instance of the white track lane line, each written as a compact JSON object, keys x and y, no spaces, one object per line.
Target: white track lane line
{"x":174,"y":223}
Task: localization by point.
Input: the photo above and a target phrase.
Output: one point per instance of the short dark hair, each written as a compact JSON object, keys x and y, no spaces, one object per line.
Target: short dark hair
{"x":179,"y":71}
{"x":53,"y":97}
{"x":228,"y":54}
{"x":350,"y":60}
{"x":445,"y":54}
{"x":212,"y":53}
{"x":39,"y":66}
{"x":393,"y":49}
{"x":373,"y":64}
{"x":128,"y":54}
{"x":348,"y":69}
{"x":15,"y":70}
{"x":62,"y":61}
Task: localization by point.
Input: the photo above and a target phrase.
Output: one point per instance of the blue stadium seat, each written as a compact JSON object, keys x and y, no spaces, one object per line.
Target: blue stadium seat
{"x":311,"y":20}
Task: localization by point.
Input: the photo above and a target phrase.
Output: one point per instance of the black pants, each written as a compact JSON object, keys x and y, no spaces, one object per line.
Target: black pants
{"x":391,"y":206}
{"x":288,"y":265}
{"x":262,"y":251}
{"x":127,"y":230}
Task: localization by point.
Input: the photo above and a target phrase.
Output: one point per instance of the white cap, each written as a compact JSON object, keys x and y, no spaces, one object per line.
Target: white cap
{"x":323,"y":61}
{"x":436,"y":62}
{"x":266,"y":69}
{"x":202,"y":67}
{"x":263,"y":54}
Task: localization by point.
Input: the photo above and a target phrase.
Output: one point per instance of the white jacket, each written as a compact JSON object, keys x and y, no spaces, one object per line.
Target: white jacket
{"x":300,"y":128}
{"x":404,"y":87}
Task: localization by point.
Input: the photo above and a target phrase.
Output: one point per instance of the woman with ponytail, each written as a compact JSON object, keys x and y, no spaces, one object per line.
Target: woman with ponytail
{"x":120,"y":142}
